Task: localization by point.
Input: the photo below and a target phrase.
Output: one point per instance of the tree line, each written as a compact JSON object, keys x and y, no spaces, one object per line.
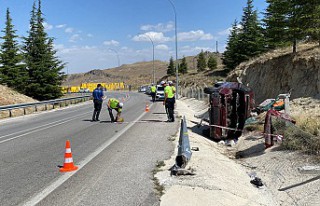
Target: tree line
{"x":284,"y":23}
{"x":202,"y":64}
{"x":31,"y":67}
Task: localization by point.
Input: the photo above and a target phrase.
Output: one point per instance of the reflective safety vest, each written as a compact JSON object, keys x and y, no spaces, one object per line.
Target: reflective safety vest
{"x":173,"y":89}
{"x":169,"y":92}
{"x":153,"y":89}
{"x":114,"y":103}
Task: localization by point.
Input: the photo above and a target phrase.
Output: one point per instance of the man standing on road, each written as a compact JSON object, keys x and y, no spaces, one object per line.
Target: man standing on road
{"x":153,"y":92}
{"x":173,"y":90}
{"x":98,"y":97}
{"x":116,"y":105}
{"x":169,"y":102}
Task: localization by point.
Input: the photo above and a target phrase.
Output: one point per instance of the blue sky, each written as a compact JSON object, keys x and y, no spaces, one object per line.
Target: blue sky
{"x":100,"y":34}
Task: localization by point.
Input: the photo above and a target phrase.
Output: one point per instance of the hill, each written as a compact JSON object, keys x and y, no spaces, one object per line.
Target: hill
{"x":140,"y":73}
{"x":9,"y":96}
{"x":136,"y":74}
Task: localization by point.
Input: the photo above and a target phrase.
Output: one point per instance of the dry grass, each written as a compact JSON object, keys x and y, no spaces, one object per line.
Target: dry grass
{"x":9,"y":96}
{"x":304,"y":136}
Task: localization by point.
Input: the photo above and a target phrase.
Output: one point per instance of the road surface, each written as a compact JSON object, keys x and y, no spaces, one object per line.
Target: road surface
{"x":115,"y":160}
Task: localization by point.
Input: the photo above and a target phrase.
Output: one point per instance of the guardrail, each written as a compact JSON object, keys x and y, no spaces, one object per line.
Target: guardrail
{"x":70,"y":100}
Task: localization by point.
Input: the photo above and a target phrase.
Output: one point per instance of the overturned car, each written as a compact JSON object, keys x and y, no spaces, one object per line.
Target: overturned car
{"x":230,"y":105}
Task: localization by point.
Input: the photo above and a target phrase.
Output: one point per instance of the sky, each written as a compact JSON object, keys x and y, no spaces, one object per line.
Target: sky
{"x":101,"y":34}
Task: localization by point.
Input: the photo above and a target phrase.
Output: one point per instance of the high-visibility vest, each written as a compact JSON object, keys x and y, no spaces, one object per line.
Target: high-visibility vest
{"x":169,"y":92}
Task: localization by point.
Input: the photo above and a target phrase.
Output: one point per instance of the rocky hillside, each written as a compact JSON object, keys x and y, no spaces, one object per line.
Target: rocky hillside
{"x":281,"y":71}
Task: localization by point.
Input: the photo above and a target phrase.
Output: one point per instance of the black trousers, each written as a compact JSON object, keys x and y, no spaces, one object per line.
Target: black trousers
{"x":153,"y":95}
{"x":170,"y":108}
{"x":97,"y":109}
{"x":111,"y":114}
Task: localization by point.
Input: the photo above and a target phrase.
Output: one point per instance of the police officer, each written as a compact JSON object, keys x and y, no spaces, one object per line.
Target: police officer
{"x":173,"y":90}
{"x":98,"y":97}
{"x":169,"y":102}
{"x":153,"y":92}
{"x":116,"y":105}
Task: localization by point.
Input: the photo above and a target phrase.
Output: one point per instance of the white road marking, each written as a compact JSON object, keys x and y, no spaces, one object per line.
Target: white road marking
{"x":39,"y":128}
{"x":46,"y":191}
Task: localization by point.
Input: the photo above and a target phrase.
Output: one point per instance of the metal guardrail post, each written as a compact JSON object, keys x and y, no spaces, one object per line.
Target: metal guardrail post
{"x":184,"y":151}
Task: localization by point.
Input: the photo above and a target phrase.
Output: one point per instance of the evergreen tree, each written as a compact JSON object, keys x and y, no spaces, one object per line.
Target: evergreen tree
{"x":202,"y":63}
{"x":251,"y":38}
{"x":212,"y":62}
{"x":44,"y":68}
{"x":183,"y":68}
{"x":309,"y":19}
{"x":171,"y":69}
{"x":231,"y":55}
{"x":295,"y":23}
{"x":12,"y":69}
{"x":275,"y":21}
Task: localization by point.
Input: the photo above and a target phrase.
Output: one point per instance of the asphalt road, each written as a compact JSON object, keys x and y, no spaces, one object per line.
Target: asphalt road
{"x":115,"y":160}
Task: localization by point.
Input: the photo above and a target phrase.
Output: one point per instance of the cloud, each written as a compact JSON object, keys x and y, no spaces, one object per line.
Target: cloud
{"x":159,"y":27}
{"x":188,"y":50}
{"x":75,"y":38}
{"x":47,"y":26}
{"x":154,"y":36}
{"x":90,"y":35}
{"x":111,"y":43}
{"x":162,"y":47}
{"x":227,"y":31}
{"x":60,"y":26}
{"x":194,"y":36}
{"x":58,"y":46}
{"x":69,"y":30}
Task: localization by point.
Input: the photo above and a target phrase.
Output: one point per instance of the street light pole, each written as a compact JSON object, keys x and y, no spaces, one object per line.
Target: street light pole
{"x":154,"y":75}
{"x":176,"y":41}
{"x":117,"y":56}
{"x":153,"y":69}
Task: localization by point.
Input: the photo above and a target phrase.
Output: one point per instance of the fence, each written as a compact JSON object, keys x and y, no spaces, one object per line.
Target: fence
{"x":196,"y":92}
{"x":47,"y":104}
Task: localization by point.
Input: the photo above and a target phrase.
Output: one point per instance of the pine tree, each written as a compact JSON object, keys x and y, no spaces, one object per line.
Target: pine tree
{"x":231,"y":55}
{"x":212,"y":62}
{"x":183,"y":68}
{"x":12,"y":70}
{"x":171,"y":69}
{"x":250,"y":37}
{"x":44,"y":68}
{"x":309,"y":19}
{"x":295,"y":23}
{"x":275,"y":22}
{"x":202,"y":63}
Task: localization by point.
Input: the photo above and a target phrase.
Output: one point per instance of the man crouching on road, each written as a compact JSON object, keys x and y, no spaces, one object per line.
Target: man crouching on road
{"x":116,"y":105}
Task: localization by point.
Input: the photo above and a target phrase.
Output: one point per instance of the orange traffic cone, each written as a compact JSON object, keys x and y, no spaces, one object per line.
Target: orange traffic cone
{"x":68,"y":165}
{"x":147,"y":108}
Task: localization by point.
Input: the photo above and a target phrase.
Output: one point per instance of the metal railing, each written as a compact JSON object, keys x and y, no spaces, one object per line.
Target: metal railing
{"x":55,"y":102}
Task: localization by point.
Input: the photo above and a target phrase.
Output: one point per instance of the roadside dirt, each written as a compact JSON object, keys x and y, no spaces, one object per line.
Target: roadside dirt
{"x":221,"y":179}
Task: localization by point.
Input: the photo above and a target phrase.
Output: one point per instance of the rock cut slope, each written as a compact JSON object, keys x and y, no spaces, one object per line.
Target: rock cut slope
{"x":281,"y":71}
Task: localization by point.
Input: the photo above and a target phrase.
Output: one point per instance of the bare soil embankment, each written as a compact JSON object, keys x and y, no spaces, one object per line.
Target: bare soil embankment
{"x":281,"y":71}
